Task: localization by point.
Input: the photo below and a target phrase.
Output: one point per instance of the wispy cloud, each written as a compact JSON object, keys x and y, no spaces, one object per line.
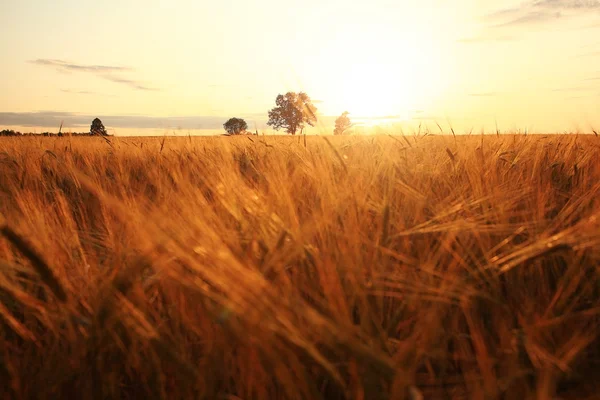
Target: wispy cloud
{"x":76,"y":91}
{"x":81,"y":122}
{"x":107,"y":72}
{"x":504,"y":13}
{"x":530,"y":18}
{"x":572,"y":89}
{"x":54,"y":118}
{"x":71,"y":67}
{"x":540,"y":11}
{"x":85,"y":92}
{"x":568,"y":4}
{"x":129,"y":82}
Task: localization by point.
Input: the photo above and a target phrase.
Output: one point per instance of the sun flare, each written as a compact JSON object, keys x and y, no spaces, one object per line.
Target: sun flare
{"x":380,"y":75}
{"x":371,"y":90}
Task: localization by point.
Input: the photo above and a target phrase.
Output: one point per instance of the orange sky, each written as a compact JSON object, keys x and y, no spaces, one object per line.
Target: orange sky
{"x":186,"y":66}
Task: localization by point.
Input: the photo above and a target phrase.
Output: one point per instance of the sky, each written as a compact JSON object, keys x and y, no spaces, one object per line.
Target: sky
{"x":186,"y":66}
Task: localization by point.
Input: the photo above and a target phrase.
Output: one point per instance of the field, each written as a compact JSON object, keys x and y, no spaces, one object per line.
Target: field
{"x":300,"y":267}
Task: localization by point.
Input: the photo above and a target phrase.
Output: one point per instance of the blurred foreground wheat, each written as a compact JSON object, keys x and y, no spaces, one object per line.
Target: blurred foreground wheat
{"x":278,"y":268}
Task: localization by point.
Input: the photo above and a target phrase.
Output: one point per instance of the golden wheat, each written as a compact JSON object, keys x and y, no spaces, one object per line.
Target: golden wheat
{"x":340,"y":268}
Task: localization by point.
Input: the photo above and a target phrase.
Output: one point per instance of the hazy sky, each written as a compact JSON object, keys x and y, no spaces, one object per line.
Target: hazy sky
{"x":192,"y":64}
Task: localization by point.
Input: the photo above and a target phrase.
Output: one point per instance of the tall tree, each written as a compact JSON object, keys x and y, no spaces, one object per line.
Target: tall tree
{"x":98,"y":128}
{"x":342,"y":124}
{"x":235,"y":126}
{"x":292,"y":111}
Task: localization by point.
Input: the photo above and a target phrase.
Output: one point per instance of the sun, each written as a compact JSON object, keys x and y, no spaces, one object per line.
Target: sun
{"x":373,"y":89}
{"x":377,"y":73}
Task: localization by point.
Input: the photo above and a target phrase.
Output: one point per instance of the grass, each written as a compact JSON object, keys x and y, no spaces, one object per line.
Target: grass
{"x":300,"y":268}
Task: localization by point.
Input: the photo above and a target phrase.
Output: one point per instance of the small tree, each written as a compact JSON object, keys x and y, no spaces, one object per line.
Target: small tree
{"x":292,"y":112}
{"x":235,"y":126}
{"x":342,"y":124}
{"x":98,"y":128}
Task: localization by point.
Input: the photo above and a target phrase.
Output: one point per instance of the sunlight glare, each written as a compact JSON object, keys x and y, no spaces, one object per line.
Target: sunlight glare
{"x":382,"y":73}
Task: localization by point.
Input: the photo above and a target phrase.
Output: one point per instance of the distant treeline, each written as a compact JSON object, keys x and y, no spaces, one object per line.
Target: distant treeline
{"x":96,"y":129}
{"x":10,"y":132}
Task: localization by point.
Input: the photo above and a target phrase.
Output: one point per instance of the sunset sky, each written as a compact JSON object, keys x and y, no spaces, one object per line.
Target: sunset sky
{"x":179,"y":66}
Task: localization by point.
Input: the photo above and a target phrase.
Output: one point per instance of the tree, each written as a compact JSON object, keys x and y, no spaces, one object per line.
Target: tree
{"x":98,"y":128}
{"x":235,"y":126}
{"x":342,"y":124}
{"x":9,"y":132}
{"x":292,"y":112}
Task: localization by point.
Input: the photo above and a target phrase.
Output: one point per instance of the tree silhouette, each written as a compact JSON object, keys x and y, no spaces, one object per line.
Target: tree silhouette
{"x":342,"y":123}
{"x":9,"y":132}
{"x":98,"y":128}
{"x":235,"y":126}
{"x":292,"y":112}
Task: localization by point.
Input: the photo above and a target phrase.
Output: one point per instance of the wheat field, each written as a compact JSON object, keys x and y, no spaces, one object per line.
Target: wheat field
{"x":384,"y":267}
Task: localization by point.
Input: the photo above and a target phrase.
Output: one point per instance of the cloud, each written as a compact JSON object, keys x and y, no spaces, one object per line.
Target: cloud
{"x":568,"y":4}
{"x":530,"y":18}
{"x":54,"y":118}
{"x":76,"y":91}
{"x":41,"y":118}
{"x":81,"y":122}
{"x":102,"y":71}
{"x":85,"y":92}
{"x":572,"y":89}
{"x":503,"y":13}
{"x":129,"y":82}
{"x":66,"y":66}
{"x":540,"y":11}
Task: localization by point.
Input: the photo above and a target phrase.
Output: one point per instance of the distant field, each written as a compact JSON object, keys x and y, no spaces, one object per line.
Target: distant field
{"x":300,"y":267}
